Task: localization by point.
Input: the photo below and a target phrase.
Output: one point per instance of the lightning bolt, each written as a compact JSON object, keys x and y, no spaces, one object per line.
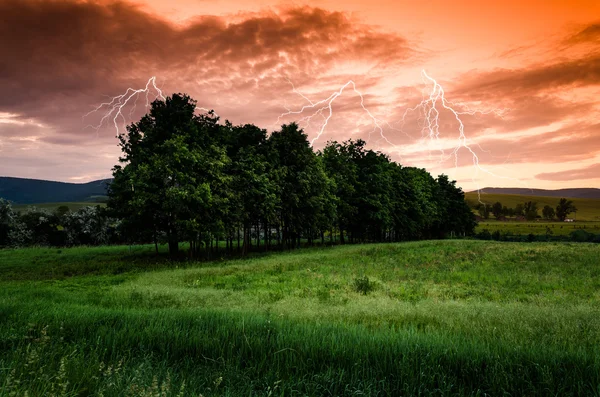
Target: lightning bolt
{"x":113,"y":110}
{"x":430,"y":110}
{"x":433,"y":102}
{"x":324,"y":108}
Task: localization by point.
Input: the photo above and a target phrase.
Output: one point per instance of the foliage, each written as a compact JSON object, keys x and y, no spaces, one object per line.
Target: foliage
{"x":588,"y":209}
{"x":548,"y":212}
{"x":88,"y":226}
{"x":564,"y":208}
{"x":363,"y":285}
{"x":185,"y":177}
{"x":530,"y":210}
{"x":497,"y":210}
{"x":478,"y":318}
{"x":484,"y":211}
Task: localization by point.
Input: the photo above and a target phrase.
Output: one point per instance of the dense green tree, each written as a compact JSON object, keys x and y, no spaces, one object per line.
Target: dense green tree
{"x":519,"y":211}
{"x":7,"y":219}
{"x":530,"y":209}
{"x":456,"y":218}
{"x":254,"y":199}
{"x":173,"y":175}
{"x":548,"y":212}
{"x":497,"y":210}
{"x":339,"y":165}
{"x":484,"y":210}
{"x":564,"y":208}
{"x":89,"y":225}
{"x":300,"y":180}
{"x":44,"y":226}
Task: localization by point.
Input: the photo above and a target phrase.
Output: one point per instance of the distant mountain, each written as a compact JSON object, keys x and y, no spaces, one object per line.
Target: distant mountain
{"x":591,"y":193}
{"x":35,"y":191}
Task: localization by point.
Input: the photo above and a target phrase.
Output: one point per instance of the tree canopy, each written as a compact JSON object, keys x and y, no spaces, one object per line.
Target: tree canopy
{"x":187,"y":177}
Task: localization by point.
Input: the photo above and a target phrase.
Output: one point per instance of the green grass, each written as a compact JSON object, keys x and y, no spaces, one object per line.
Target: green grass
{"x":73,"y":206}
{"x":537,"y":228}
{"x":587,"y":209}
{"x":419,"y":318}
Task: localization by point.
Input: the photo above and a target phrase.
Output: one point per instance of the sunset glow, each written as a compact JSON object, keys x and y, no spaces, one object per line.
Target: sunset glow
{"x":260,"y":61}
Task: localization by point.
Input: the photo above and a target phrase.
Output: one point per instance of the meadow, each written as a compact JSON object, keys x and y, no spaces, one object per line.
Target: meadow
{"x":73,"y":205}
{"x":453,"y":317}
{"x":521,"y":228}
{"x":587,"y":209}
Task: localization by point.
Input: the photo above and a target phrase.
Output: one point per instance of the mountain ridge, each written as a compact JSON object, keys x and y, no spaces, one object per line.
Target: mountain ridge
{"x":592,"y":193}
{"x":36,"y":191}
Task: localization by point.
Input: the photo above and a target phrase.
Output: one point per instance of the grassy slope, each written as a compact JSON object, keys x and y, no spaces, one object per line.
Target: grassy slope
{"x":73,"y":206}
{"x":587,"y":209}
{"x":445,"y":317}
{"x":537,"y":228}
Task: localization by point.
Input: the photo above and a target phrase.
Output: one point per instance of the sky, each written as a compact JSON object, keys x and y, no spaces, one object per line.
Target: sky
{"x":522,"y":76}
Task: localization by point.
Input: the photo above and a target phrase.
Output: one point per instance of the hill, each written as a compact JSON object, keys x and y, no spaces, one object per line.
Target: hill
{"x":591,"y":193}
{"x":33,"y":191}
{"x":446,"y":317}
{"x":588,"y":209}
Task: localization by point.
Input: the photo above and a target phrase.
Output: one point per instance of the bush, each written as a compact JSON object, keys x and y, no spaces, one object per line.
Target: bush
{"x":363,"y":285}
{"x":484,"y":235}
{"x":581,"y":236}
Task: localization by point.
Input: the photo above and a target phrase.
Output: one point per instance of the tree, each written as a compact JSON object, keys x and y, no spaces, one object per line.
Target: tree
{"x":519,"y":210}
{"x":171,"y":183}
{"x":484,"y":211}
{"x":300,"y":180}
{"x":254,"y":197}
{"x":455,"y":215}
{"x":43,"y":227}
{"x":497,"y":210}
{"x":7,"y":219}
{"x":564,"y":208}
{"x":530,"y":210}
{"x":62,"y":211}
{"x":89,"y":225}
{"x":548,"y":212}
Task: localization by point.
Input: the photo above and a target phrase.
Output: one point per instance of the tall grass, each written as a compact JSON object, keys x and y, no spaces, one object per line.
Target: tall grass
{"x":438,"y":318}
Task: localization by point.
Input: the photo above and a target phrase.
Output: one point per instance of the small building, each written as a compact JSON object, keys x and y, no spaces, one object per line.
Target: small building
{"x":569,"y":220}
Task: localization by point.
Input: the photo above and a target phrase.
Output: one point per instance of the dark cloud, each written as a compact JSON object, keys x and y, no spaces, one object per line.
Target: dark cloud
{"x":71,"y":47}
{"x":574,"y":142}
{"x":532,"y":80}
{"x":590,"y":172}
{"x":591,"y":33}
{"x":65,"y":56}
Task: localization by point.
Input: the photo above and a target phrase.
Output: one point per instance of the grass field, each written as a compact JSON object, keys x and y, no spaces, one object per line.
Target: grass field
{"x":537,"y":228}
{"x":587,"y":209}
{"x":73,"y":206}
{"x":422,"y":318}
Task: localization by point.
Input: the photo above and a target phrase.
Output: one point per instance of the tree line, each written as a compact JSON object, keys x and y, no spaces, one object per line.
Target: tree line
{"x":90,"y":225}
{"x":187,"y":178}
{"x":529,"y":210}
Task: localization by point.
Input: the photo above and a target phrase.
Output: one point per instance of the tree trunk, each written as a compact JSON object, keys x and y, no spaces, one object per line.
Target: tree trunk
{"x":267,"y":235}
{"x":173,"y":247}
{"x":258,"y":236}
{"x":278,"y":236}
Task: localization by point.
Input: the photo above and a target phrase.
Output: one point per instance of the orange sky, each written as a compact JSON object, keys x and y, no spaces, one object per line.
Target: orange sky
{"x":537,"y":60}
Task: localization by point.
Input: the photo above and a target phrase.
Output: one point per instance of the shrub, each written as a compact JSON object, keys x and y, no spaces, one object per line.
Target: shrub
{"x":363,"y":285}
{"x":484,"y":235}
